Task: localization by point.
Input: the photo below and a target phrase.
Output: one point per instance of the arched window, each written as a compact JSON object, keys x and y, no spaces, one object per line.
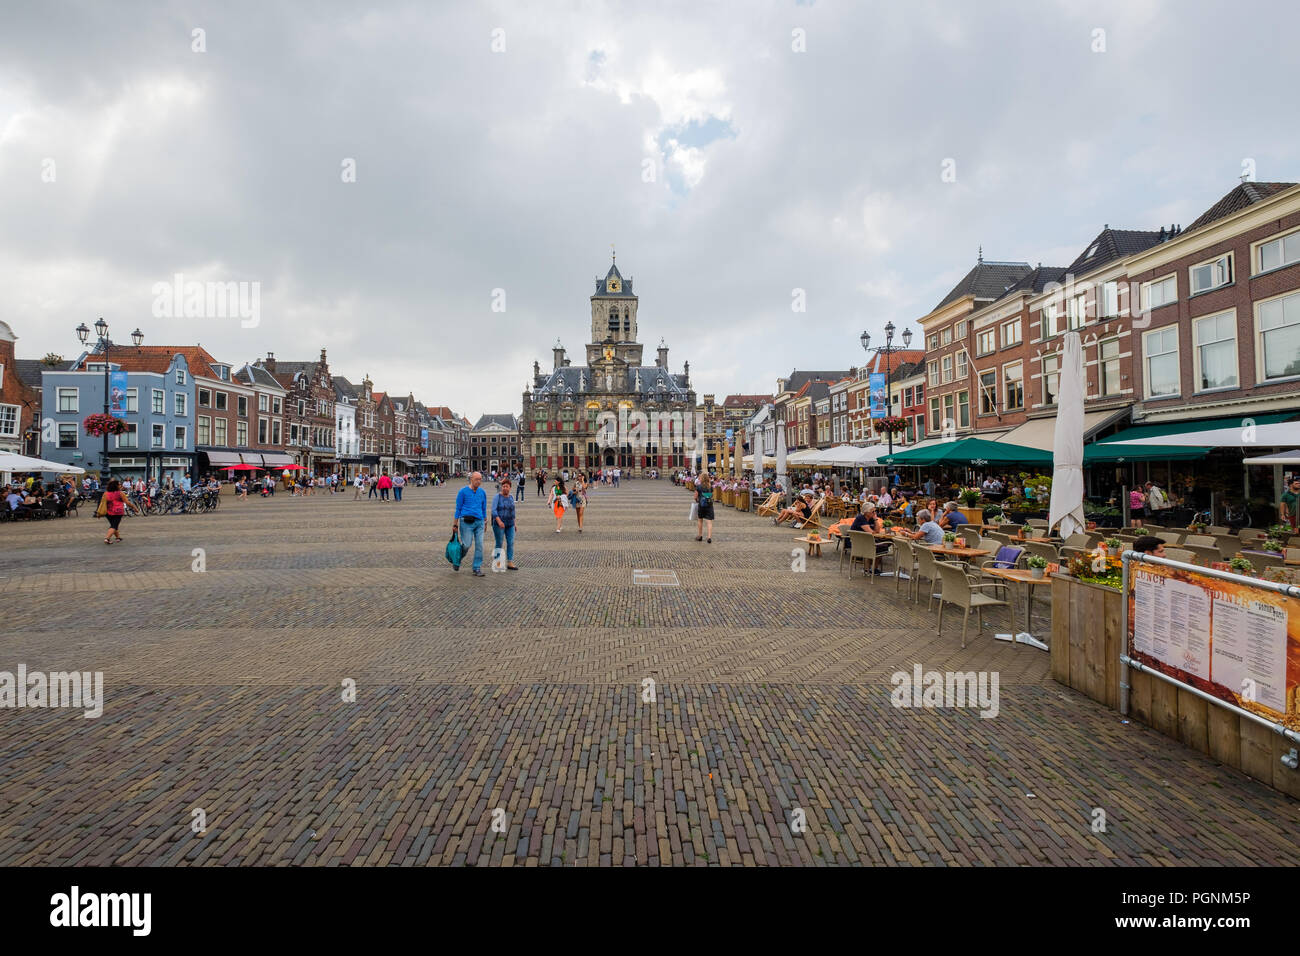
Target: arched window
{"x":627,"y":320}
{"x":613,"y":318}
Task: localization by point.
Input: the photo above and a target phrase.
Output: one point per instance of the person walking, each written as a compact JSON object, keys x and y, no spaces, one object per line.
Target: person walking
{"x":520,"y":480}
{"x":373,"y":482}
{"x":704,"y":506}
{"x":541,"y":481}
{"x":114,"y":509}
{"x":357,"y":483}
{"x":1289,"y":506}
{"x":471,"y":513}
{"x":503,"y":525}
{"x":558,"y":502}
{"x":578,"y":498}
{"x":385,"y":483}
{"x":399,"y":482}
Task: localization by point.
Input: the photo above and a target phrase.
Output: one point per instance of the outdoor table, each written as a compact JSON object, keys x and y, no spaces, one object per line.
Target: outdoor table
{"x":814,"y":545}
{"x":1026,"y":577}
{"x":1038,"y":540}
{"x":963,"y":553}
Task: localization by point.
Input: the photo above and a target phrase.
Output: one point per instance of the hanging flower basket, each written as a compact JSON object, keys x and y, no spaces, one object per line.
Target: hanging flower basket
{"x":101,"y":424}
{"x":892,"y":424}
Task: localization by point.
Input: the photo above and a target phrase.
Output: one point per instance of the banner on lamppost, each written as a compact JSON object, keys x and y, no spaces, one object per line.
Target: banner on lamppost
{"x":876,"y":384}
{"x":117,"y":394}
{"x":424,"y":437}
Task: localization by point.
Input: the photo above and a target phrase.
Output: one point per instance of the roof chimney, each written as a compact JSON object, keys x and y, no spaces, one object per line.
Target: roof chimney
{"x":557,"y":353}
{"x":270,"y":362}
{"x":662,"y":360}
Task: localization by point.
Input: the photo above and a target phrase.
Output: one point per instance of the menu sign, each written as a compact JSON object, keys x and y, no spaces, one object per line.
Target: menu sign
{"x":1239,"y":643}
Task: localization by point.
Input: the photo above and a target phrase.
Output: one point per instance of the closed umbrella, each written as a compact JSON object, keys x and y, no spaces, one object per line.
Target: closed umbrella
{"x":1067,"y":451}
{"x":780,"y":457}
{"x":758,"y":454}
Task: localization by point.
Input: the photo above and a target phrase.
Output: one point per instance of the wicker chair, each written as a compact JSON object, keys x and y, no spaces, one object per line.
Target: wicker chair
{"x":959,"y":590}
{"x":927,"y":566}
{"x":904,"y":560}
{"x":970,"y":535}
{"x":1181,"y":554}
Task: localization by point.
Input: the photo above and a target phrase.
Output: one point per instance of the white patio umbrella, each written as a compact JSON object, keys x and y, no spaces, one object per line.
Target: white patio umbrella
{"x":11,"y":462}
{"x":757,"y":456}
{"x":1067,"y":450}
{"x":1281,"y":458}
{"x":1245,"y":435}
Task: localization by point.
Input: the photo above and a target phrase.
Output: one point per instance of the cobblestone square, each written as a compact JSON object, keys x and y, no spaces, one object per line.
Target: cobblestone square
{"x":503,"y":720}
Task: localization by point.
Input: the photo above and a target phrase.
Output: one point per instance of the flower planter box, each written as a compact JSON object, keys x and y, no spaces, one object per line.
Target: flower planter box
{"x":1087,"y":640}
{"x":973,"y":515}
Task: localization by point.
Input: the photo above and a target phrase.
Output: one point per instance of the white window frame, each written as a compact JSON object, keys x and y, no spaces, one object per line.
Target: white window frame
{"x":1102,"y":360}
{"x":202,"y":423}
{"x":76,"y":435}
{"x":1146,"y":361}
{"x":1103,"y":299}
{"x":984,"y":391}
{"x":18,"y":420}
{"x":963,"y":366}
{"x":158,"y":402}
{"x":991,"y":333}
{"x":1257,"y":251}
{"x":945,"y":337}
{"x":1229,"y":273}
{"x":180,"y":436}
{"x":1259,"y":337}
{"x":959,"y":331}
{"x":1020,"y":332}
{"x":133,"y":432}
{"x":1006,"y":403}
{"x":932,"y":370}
{"x":133,"y":401}
{"x":76,"y":399}
{"x":157,"y":435}
{"x":220,"y":431}
{"x":1046,"y":374}
{"x":1148,"y":286}
{"x":1196,"y":345}
{"x":180,"y":376}
{"x":946,"y":365}
{"x":180,"y":405}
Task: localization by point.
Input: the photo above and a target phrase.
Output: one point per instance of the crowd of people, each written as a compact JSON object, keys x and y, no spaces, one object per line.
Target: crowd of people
{"x":31,"y":497}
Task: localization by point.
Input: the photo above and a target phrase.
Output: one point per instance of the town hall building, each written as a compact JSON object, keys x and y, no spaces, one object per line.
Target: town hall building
{"x":614,"y":411}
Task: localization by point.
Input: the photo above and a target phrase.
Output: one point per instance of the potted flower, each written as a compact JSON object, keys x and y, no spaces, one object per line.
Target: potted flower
{"x":1114,"y":544}
{"x":950,"y":539}
{"x":101,"y":424}
{"x":1273,"y":544}
{"x":1241,"y":565}
{"x":970,"y":498}
{"x":1037,"y":565}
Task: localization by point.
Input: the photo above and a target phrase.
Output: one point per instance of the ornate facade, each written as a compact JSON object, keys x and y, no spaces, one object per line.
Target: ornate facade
{"x":613,"y":411}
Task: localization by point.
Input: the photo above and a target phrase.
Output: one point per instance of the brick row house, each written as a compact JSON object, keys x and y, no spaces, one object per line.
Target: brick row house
{"x":309,"y":412}
{"x":20,"y":398}
{"x":1181,"y":329}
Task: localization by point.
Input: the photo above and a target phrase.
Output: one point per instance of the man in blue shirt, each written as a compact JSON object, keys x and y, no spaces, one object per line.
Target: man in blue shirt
{"x":951,"y":517}
{"x":471,"y":514}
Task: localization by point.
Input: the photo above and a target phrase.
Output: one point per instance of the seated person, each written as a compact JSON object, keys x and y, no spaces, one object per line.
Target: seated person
{"x":1150,"y":544}
{"x":14,"y":500}
{"x":798,"y":510}
{"x":951,"y":517}
{"x":927,"y":531}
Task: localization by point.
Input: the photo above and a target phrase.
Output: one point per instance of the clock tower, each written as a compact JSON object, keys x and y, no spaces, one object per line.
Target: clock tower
{"x":613,"y":321}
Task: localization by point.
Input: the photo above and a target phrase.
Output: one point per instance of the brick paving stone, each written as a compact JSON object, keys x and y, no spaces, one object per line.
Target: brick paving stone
{"x":523,"y":691}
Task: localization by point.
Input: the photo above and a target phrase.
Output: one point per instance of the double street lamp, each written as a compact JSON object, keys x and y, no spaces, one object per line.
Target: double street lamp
{"x":888,"y":349}
{"x":102,"y":344}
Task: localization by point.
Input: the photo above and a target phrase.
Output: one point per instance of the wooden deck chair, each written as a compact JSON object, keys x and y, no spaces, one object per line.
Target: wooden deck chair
{"x":812,"y":518}
{"x":771,"y":507}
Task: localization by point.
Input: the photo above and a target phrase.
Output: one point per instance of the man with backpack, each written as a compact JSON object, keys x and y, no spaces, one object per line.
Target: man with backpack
{"x":471,"y":514}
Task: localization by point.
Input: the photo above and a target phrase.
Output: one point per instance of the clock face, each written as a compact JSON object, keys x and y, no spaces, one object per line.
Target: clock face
{"x":613,"y":285}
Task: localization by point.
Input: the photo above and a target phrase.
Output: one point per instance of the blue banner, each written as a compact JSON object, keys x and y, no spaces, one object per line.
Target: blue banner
{"x":424,"y":437}
{"x":117,"y":394}
{"x":876,"y":384}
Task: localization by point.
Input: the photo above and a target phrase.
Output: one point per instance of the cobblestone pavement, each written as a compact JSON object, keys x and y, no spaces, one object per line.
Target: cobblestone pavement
{"x":523,"y":693}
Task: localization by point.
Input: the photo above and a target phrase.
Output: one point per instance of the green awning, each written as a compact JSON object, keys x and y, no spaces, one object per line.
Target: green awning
{"x":1105,"y":451}
{"x":970,"y":451}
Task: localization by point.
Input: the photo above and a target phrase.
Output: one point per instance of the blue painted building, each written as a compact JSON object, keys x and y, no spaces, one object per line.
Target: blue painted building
{"x":160,"y":413}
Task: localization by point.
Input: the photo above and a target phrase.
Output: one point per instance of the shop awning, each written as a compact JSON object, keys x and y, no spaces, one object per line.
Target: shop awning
{"x":276,"y":459}
{"x":970,"y":451}
{"x":1281,"y":458}
{"x":1041,"y":432}
{"x":1190,"y":440}
{"x":221,"y":459}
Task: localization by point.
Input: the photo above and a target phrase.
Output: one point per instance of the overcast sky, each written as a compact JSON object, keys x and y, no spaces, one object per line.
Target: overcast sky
{"x":781,"y":160}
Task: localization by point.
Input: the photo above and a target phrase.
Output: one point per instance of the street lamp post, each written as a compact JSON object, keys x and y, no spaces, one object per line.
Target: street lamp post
{"x":887,"y":350}
{"x":102,"y":344}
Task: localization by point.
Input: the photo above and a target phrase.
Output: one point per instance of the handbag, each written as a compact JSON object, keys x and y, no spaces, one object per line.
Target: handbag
{"x":101,"y":510}
{"x":455,"y":552}
{"x":695,"y":511}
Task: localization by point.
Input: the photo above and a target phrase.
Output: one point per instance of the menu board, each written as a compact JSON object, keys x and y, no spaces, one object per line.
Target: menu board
{"x":1240,"y":643}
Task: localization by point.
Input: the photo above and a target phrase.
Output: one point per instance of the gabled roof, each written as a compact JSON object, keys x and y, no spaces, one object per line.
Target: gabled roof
{"x":1238,"y":198}
{"x":1035,"y":281}
{"x":625,"y":288}
{"x":798,"y":379}
{"x":1112,"y":244}
{"x":508,"y":422}
{"x":344,"y":389}
{"x":29,"y":371}
{"x":986,"y":281}
{"x":255,"y":373}
{"x":745,"y":401}
{"x":155,"y":358}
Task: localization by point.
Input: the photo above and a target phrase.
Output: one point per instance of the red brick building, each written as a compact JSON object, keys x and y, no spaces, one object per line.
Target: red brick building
{"x":20,"y":399}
